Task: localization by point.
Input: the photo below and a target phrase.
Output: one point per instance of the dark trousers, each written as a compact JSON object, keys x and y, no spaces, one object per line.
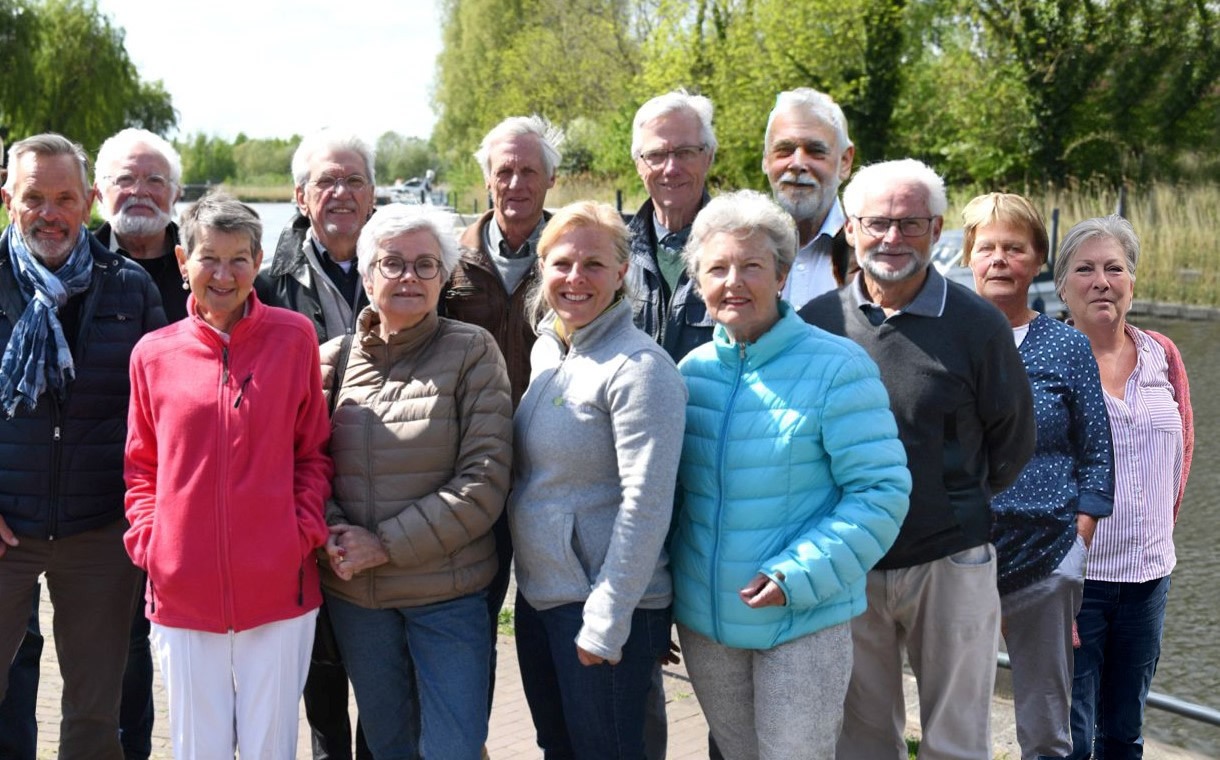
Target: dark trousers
{"x":1120,"y":628}
{"x":497,"y":591}
{"x":18,"y":724}
{"x":587,"y":712}
{"x":136,"y":709}
{"x":325,"y":695}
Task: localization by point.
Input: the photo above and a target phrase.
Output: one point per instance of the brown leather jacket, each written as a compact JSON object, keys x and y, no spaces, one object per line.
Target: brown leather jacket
{"x":475,"y":294}
{"x":422,"y":443}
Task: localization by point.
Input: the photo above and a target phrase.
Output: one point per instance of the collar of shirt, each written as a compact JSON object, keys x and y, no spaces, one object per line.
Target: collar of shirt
{"x":324,"y":256}
{"x":496,"y":242}
{"x":928,"y":302}
{"x":833,"y":222}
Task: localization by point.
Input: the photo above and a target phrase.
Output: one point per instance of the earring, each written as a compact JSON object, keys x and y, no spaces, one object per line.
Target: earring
{"x":185,"y":285}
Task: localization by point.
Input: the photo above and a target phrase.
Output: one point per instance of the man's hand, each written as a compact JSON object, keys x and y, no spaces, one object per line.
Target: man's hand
{"x":1086,"y":525}
{"x":762,"y":592}
{"x":7,"y":538}
{"x":588,"y":659}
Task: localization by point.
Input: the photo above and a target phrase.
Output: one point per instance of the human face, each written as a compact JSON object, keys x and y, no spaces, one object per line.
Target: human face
{"x":48,"y":204}
{"x":1004,"y":262}
{"x":337,"y":213}
{"x":405,"y":301}
{"x":143,"y":207}
{"x":1098,"y":286}
{"x":676,"y":186}
{"x":894,"y":257}
{"x":581,"y":275}
{"x":518,"y":181}
{"x":805,"y":164}
{"x":739,"y":283}
{"x":220,"y":271}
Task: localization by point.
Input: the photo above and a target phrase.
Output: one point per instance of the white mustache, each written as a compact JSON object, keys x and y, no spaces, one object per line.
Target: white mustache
{"x":793,"y":178}
{"x":134,"y":202}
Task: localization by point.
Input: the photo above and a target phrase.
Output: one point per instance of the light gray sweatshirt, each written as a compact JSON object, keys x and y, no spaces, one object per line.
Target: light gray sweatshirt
{"x":597,"y":436}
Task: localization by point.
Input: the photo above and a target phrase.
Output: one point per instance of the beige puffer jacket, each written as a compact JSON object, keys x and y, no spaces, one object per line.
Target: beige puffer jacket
{"x":422,"y":443}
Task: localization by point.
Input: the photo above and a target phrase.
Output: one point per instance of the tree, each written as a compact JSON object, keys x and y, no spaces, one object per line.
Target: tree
{"x":401,"y":157}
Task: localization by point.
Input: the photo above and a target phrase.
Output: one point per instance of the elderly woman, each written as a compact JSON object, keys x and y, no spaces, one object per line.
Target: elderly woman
{"x":792,"y":485}
{"x":1045,"y":521}
{"x":422,"y":446}
{"x":227,"y":474}
{"x":1127,"y":578}
{"x":597,"y":448}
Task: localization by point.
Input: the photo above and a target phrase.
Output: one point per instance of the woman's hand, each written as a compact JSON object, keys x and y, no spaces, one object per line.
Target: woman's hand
{"x":762,"y":592}
{"x":587,"y":658}
{"x":352,"y":549}
{"x":1085,"y":526}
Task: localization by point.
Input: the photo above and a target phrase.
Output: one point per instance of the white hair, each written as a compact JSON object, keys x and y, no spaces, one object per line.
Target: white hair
{"x":886,"y":173}
{"x":810,"y":102}
{"x":550,"y":138}
{"x":670,"y":102}
{"x":742,"y":213}
{"x":1113,"y":227}
{"x":394,"y":219}
{"x":120,"y":144}
{"x":331,"y":141}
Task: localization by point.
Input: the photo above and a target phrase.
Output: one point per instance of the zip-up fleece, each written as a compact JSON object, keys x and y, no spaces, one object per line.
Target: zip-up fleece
{"x":227,"y":470}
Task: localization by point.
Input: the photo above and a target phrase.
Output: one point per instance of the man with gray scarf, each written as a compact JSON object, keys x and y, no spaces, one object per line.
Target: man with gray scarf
{"x":314,"y":273}
{"x":70,"y":313}
{"x":314,"y":269}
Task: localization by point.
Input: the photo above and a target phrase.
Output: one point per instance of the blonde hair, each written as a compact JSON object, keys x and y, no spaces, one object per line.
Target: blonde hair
{"x":580,"y":215}
{"x":1004,"y":208}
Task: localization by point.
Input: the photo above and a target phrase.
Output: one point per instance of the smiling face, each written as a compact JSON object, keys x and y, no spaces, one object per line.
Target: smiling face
{"x":805,"y":164}
{"x":893,"y":257}
{"x":143,"y":207}
{"x":48,"y":204}
{"x":581,"y":275}
{"x":739,"y":283}
{"x":220,"y":271}
{"x":336,"y":211}
{"x":676,"y":185}
{"x":1098,"y":286}
{"x":405,"y":301}
{"x":518,"y":181}
{"x":1004,"y":262}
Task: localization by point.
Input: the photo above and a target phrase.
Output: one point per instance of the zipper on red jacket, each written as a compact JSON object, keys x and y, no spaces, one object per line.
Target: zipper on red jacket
{"x":222,"y":486}
{"x":301,"y":584}
{"x":152,"y":596}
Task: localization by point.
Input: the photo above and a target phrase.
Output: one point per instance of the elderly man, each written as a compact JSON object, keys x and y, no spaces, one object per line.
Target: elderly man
{"x":314,"y":270}
{"x":673,"y":145}
{"x":962,"y":400}
{"x":806,"y":154}
{"x":139,"y":179}
{"x":72,"y":312}
{"x":314,"y":273}
{"x":493,"y":278}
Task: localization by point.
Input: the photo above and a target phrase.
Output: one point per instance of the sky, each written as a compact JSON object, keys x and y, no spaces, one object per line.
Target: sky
{"x":272,"y":68}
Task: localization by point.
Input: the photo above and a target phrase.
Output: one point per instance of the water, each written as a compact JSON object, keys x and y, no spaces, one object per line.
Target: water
{"x":1190,"y":657}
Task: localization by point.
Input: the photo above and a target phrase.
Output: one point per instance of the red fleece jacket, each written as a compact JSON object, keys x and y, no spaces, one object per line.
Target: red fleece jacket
{"x":227,"y":470}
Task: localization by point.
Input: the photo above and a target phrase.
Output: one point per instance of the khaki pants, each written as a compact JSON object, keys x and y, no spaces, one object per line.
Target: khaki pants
{"x":946,"y":613}
{"x":93,"y":588}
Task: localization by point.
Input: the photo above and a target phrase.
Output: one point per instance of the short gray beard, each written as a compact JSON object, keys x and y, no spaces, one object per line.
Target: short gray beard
{"x":124,"y":223}
{"x":811,"y":204}
{"x":915,"y":266}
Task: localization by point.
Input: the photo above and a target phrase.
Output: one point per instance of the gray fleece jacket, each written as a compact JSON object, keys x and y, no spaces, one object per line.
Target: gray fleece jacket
{"x":597,"y":437}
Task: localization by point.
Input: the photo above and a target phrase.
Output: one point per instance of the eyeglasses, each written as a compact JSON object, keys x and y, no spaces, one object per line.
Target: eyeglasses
{"x":393,"y":267}
{"x":908,"y":226}
{"x":126,"y":181}
{"x":353,"y":182}
{"x":683,"y":154}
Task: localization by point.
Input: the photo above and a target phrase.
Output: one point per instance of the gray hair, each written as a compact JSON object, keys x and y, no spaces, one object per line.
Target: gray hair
{"x":550,"y":138}
{"x":812,"y":103}
{"x":48,"y":144}
{"x":1114,"y":227}
{"x":395,"y":219}
{"x":218,"y":211}
{"x":118,"y":145}
{"x":875,"y":176}
{"x":742,"y":213}
{"x":670,"y":102}
{"x":331,"y":141}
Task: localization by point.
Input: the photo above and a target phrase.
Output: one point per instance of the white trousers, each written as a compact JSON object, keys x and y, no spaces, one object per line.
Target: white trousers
{"x":235,"y":690}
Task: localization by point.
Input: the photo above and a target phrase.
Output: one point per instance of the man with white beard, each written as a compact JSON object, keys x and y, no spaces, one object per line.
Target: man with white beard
{"x":138,"y":180}
{"x":806,"y":154}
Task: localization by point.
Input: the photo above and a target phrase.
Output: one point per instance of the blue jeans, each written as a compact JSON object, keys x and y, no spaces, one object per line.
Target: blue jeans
{"x":1120,"y":642}
{"x":18,"y":724}
{"x":434,"y":656}
{"x":587,"y":712}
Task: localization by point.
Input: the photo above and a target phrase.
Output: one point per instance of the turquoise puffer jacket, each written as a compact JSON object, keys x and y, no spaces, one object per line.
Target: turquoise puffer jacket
{"x":791,"y":466}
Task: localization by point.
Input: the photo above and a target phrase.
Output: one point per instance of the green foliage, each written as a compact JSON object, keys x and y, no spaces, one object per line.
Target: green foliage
{"x":206,"y":159}
{"x":401,"y":157}
{"x":262,"y":162}
{"x":66,"y":70}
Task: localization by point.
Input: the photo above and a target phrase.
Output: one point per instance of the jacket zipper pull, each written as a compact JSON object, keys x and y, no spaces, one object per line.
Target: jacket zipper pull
{"x":224,"y":377}
{"x":301,"y":585}
{"x":242,"y":390}
{"x":56,"y":433}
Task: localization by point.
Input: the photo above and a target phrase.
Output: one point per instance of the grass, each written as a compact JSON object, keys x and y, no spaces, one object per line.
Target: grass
{"x":504,"y":623}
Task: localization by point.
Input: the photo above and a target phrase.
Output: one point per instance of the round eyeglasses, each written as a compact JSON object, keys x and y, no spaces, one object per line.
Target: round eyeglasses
{"x":394,"y":267}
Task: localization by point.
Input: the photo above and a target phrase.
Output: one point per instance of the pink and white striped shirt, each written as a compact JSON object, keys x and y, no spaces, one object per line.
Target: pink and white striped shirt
{"x":1135,"y":544}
